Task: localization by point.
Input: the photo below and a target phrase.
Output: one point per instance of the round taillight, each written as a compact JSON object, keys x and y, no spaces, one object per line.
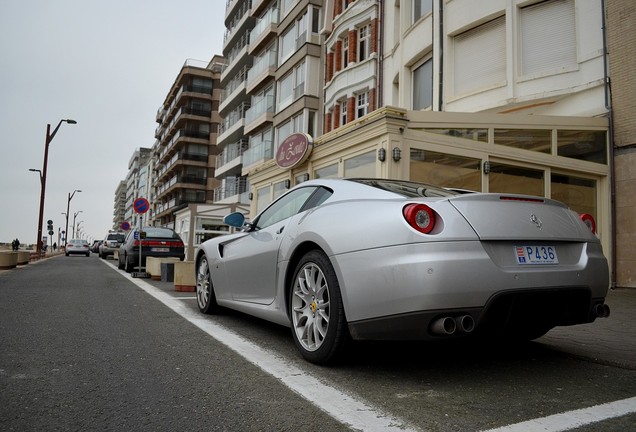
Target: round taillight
{"x":588,"y":220}
{"x":419,"y":216}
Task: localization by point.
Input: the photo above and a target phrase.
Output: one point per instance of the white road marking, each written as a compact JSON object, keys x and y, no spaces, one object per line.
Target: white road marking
{"x":347,"y":409}
{"x":574,"y":419}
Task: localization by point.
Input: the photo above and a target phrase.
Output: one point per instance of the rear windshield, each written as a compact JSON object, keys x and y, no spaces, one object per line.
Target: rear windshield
{"x":407,"y":189}
{"x":118,"y":237}
{"x":155,"y":232}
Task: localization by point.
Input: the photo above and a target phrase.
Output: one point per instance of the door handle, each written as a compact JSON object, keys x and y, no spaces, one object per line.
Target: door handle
{"x":280,"y":230}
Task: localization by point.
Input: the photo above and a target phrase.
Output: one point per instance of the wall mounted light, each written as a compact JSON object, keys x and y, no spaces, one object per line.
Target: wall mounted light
{"x":287,"y":184}
{"x":486,"y":167}
{"x":250,"y":196}
{"x":397,"y":154}
{"x":306,"y":177}
{"x":382,"y":155}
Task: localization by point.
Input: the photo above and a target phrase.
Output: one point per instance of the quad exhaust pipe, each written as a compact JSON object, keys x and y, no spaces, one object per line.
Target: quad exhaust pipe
{"x":446,"y":326}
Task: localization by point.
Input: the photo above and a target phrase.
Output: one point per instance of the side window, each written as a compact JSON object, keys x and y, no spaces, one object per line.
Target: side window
{"x":285,"y":207}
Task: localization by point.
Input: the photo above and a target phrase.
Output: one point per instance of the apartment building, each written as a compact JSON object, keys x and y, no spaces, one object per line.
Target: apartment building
{"x":138,"y":184}
{"x":184,"y":153}
{"x":119,"y":209}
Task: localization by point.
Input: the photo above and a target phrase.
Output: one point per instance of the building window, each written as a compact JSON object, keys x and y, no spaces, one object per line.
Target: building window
{"x":343,"y":112}
{"x":479,"y":57}
{"x":548,"y":37}
{"x":263,"y":197}
{"x":345,"y":51}
{"x":286,"y":45}
{"x":330,"y":171}
{"x":315,"y":20}
{"x":364,"y":36}
{"x":362,"y":104}
{"x":446,"y":170}
{"x":578,"y":193}
{"x":285,"y":91}
{"x":360,"y":166}
{"x":583,"y":145}
{"x":421,"y":8}
{"x":423,"y":85}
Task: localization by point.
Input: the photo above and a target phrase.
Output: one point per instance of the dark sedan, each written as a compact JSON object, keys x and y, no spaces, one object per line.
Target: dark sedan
{"x":155,"y":242}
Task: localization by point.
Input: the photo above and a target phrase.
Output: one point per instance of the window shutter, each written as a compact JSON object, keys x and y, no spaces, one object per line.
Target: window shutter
{"x":548,"y":36}
{"x":480,"y":57}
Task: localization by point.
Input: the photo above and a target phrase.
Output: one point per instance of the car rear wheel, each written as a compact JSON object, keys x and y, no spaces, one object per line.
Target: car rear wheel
{"x":206,"y":300}
{"x":130,"y":266}
{"x":319,"y":326}
{"x":120,"y":263}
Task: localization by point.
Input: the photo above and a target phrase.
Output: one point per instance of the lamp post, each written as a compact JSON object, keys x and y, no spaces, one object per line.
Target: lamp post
{"x":74,"y":217}
{"x":68,"y":207}
{"x":49,"y":138}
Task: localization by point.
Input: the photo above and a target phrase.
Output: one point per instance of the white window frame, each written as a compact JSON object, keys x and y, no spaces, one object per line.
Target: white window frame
{"x":427,"y":62}
{"x":364,"y":42}
{"x":362,"y":104}
{"x":343,"y":112}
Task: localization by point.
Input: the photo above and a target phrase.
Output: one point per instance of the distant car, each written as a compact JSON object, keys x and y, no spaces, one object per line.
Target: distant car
{"x":157,"y":242}
{"x":77,"y":246}
{"x":110,"y":244}
{"x":399,"y":260}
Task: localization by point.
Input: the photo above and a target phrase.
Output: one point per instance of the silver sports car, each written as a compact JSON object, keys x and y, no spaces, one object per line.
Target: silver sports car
{"x":336,"y":259}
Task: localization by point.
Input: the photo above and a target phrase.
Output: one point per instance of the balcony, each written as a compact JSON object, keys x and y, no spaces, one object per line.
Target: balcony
{"x":179,"y":158}
{"x":264,"y":28}
{"x":230,"y":190}
{"x":258,"y":153}
{"x":233,"y":123}
{"x":261,"y":111}
{"x":264,"y":67}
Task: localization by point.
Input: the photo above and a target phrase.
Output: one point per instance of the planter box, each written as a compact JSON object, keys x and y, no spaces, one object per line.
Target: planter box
{"x":153,"y":266}
{"x":24,"y":257}
{"x":8,"y":260}
{"x":184,"y":277}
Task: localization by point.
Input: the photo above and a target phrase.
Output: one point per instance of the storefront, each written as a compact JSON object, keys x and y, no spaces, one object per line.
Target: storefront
{"x":565,"y":158}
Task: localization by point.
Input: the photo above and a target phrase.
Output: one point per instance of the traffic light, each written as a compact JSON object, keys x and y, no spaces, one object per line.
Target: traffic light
{"x":49,"y":226}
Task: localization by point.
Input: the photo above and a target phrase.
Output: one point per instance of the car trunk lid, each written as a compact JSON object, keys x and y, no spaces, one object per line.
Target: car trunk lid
{"x":520,"y":217}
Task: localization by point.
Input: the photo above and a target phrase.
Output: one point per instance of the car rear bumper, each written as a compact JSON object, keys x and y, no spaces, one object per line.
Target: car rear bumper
{"x":427,"y":278}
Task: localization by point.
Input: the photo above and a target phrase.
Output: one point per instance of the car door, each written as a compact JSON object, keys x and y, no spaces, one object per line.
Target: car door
{"x":251,"y":262}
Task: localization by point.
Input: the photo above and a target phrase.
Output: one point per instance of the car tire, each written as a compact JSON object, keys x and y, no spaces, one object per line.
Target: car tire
{"x":88,"y":254}
{"x":319,"y":325}
{"x":206,"y":299}
{"x":120,"y":264}
{"x":66,"y":254}
{"x":129,"y":266}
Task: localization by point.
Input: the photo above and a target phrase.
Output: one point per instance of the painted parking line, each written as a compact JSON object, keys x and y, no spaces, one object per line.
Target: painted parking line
{"x":345,"y":408}
{"x":574,"y":419}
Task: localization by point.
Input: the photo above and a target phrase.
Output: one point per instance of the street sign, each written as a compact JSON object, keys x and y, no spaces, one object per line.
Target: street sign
{"x":125,"y":226}
{"x":136,"y":235}
{"x":141,"y":205}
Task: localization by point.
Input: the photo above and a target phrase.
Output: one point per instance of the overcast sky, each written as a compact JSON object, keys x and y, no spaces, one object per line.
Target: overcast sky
{"x":106,"y":64}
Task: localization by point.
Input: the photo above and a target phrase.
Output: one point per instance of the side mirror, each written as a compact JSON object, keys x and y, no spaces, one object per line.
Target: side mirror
{"x":236,"y":220}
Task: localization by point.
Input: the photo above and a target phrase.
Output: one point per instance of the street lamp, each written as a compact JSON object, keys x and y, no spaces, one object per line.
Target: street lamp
{"x":49,"y":138}
{"x":74,"y":217}
{"x":68,"y":207}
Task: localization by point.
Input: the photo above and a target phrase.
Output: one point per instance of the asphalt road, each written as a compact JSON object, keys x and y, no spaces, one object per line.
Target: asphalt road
{"x":85,"y":347}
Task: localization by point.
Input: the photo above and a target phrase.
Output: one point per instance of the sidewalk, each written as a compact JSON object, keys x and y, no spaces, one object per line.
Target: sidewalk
{"x":610,"y":341}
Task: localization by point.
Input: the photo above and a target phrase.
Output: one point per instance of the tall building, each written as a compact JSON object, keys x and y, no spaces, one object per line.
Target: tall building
{"x":184,"y":152}
{"x":137,"y":185}
{"x":119,"y":212}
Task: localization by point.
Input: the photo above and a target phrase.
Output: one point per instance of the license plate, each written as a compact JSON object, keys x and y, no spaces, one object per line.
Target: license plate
{"x":160,"y":249}
{"x":536,"y":255}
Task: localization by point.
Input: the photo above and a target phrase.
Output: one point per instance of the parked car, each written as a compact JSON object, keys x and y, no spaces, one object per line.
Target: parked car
{"x":385,"y":259}
{"x":77,"y":246}
{"x":110,"y":244}
{"x":156,"y":242}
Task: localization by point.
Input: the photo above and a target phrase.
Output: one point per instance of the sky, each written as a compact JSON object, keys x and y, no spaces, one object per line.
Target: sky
{"x":106,"y":64}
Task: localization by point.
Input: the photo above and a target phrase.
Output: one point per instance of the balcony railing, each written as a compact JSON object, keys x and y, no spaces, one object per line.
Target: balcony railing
{"x":236,"y":115}
{"x":230,"y":188}
{"x":261,"y":65}
{"x":260,"y":151}
{"x":264,"y":23}
{"x":259,"y":107}
{"x":231,"y":152}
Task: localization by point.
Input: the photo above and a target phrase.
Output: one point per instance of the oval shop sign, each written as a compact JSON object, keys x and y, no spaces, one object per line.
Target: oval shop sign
{"x":294,"y":150}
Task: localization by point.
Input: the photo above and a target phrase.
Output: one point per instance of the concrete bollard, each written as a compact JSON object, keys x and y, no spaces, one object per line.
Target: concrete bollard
{"x":153,"y":266}
{"x":184,"y":278}
{"x":23,"y":257}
